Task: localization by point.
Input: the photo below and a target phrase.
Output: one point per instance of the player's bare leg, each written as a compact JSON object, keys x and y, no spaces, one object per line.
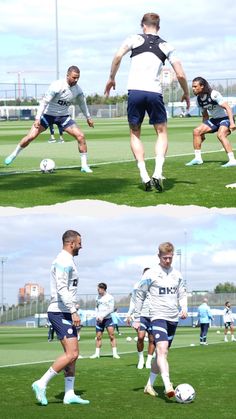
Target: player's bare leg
{"x":139,"y":154}
{"x":76,"y":132}
{"x":198,"y":138}
{"x":161,"y":147}
{"x":25,"y":141}
{"x":222,"y":136}
{"x":111,"y":333}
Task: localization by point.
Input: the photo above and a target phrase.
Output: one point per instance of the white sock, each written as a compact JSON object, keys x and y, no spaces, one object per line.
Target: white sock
{"x":166,"y":380}
{"x":17,"y":150}
{"x":69,"y":385}
{"x":83,"y":157}
{"x":52,"y":137}
{"x":114,"y":351}
{"x":140,"y":356}
{"x":231,"y":156}
{"x":49,"y":374}
{"x":159,"y":161}
{"x":143,"y":171}
{"x":152,"y":378}
{"x":149,"y":358}
{"x":97,"y":351}
{"x":232,"y":337}
{"x":198,"y":154}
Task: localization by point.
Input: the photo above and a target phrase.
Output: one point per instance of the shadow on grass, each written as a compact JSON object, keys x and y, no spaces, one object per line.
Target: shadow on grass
{"x":159,"y":390}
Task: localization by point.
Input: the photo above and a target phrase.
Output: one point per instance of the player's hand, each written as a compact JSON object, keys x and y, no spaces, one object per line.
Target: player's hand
{"x":183,"y":314}
{"x":136,"y":325}
{"x":110,"y":84}
{"x":75,"y":319}
{"x":232,"y":127}
{"x":90,"y":122}
{"x":129,"y":320}
{"x":186,"y":98}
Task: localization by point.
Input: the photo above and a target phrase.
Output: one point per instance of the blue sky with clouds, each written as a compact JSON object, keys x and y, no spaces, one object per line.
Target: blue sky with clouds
{"x":118,"y":242}
{"x":90,"y":32}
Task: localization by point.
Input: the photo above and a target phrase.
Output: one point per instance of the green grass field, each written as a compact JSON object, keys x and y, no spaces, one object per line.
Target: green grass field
{"x":115,"y":387}
{"x":115,"y":177}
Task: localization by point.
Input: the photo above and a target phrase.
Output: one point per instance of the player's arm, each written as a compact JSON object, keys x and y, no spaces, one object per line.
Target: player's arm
{"x":140,"y":295}
{"x":228,"y":109}
{"x":114,"y":68}
{"x":62,"y":277}
{"x":181,"y":77}
{"x":110,"y":305}
{"x":183,"y":302}
{"x":49,"y":95}
{"x":84,"y":109}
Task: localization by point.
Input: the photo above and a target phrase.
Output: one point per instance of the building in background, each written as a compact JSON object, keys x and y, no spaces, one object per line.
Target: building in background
{"x":30,"y":292}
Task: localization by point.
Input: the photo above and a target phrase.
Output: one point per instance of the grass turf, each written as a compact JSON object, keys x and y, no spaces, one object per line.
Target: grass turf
{"x":115,"y":177}
{"x":115,"y":387}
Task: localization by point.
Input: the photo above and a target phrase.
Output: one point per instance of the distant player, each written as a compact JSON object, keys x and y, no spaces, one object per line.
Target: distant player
{"x":211,"y":102}
{"x":52,"y":138}
{"x":54,"y":109}
{"x":104,"y":310}
{"x":145,"y":327}
{"x":228,"y":318}
{"x":167,"y":292}
{"x":204,"y":317}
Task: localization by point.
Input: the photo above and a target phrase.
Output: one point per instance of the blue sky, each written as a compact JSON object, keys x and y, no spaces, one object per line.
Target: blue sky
{"x":118,"y":242}
{"x":90,"y":32}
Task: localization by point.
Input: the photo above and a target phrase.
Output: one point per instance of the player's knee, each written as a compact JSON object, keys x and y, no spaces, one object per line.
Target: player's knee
{"x":196,"y":132}
{"x":134,"y":127}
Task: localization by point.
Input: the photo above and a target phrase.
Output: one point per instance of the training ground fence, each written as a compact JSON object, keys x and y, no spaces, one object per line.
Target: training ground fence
{"x":34,"y":313}
{"x":14,"y":96}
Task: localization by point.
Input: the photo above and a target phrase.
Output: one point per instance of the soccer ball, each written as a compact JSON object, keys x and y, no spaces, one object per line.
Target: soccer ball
{"x":47,"y":166}
{"x":128,"y":339}
{"x":184,"y":393}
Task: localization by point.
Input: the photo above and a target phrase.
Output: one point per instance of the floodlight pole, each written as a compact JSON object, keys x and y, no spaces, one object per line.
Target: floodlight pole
{"x":57,"y":43}
{"x":179,"y":253}
{"x":3,"y":260}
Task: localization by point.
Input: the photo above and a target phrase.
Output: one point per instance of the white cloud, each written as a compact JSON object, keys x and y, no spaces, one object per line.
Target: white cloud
{"x":90,"y":32}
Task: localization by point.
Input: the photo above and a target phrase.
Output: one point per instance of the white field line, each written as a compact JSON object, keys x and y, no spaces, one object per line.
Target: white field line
{"x":20,"y":172}
{"x":104,"y":355}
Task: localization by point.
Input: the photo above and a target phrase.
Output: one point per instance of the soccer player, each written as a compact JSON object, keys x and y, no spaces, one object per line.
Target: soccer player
{"x":116,"y":318}
{"x":64,"y":318}
{"x":204,"y":316}
{"x":145,"y":327}
{"x":104,"y":310}
{"x":167,"y":292}
{"x":52,"y":138}
{"x":148,"y":55}
{"x":54,"y":109}
{"x":211,"y":102}
{"x":228,"y":318}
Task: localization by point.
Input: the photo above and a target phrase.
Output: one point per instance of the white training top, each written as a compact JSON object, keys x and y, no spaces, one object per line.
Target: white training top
{"x":104,"y":306}
{"x":228,"y":315}
{"x":64,"y":282}
{"x":59,"y":97}
{"x":146,"y":67}
{"x":211,"y":102}
{"x":167,"y":292}
{"x":145,"y":308}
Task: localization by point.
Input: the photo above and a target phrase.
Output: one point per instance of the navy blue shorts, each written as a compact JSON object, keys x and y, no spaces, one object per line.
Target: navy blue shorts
{"x":62,"y":323}
{"x":216,"y":123}
{"x":145,"y":324}
{"x":101,"y":326}
{"x":163,"y":330}
{"x":228,"y":324}
{"x":140,"y":102}
{"x":62,"y":122}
